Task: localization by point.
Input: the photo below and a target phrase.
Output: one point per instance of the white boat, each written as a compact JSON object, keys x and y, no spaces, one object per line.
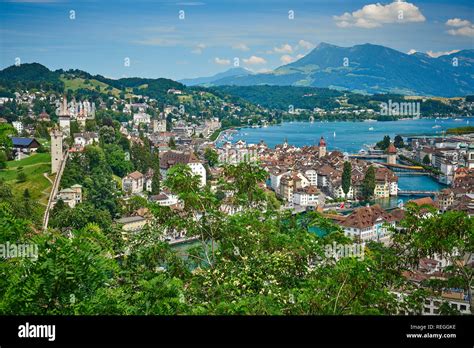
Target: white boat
{"x":371,"y":128}
{"x":334,"y":135}
{"x":437,"y":126}
{"x":458,"y":119}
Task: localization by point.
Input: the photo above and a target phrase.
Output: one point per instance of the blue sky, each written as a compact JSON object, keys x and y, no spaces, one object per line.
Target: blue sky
{"x":215,"y":32}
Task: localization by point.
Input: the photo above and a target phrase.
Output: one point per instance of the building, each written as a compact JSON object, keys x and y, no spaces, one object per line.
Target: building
{"x":64,"y":119}
{"x":391,"y":154}
{"x":308,"y":196}
{"x":322,"y":147}
{"x":159,"y":125}
{"x":368,"y":223}
{"x":86,"y":138}
{"x":236,"y":153}
{"x":44,"y":117}
{"x":141,"y":118}
{"x":470,"y":156}
{"x":25,"y":145}
{"x":71,"y":195}
{"x":445,"y":199}
{"x":164,"y":199}
{"x":171,"y":158}
{"x":132,"y":223}
{"x":18,"y":126}
{"x":57,"y":154}
{"x":136,"y":182}
{"x":386,"y":183}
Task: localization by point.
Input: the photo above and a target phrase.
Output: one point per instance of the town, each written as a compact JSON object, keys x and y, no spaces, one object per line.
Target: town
{"x":142,"y":142}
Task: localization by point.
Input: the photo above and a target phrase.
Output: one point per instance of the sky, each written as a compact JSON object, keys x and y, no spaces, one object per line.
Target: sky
{"x":186,"y":38}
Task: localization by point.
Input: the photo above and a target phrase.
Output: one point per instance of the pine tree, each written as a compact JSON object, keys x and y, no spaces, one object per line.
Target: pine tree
{"x":346,"y":178}
{"x":368,"y":185}
{"x":155,"y":184}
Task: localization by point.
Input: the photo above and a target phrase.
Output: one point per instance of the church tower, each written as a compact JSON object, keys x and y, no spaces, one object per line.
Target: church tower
{"x":322,"y":147}
{"x":56,"y":149}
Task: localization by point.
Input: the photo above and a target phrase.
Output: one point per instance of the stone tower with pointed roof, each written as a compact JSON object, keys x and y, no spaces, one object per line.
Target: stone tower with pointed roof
{"x":391,"y":154}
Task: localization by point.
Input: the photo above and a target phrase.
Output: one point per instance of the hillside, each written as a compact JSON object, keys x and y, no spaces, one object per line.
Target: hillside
{"x":36,"y":76}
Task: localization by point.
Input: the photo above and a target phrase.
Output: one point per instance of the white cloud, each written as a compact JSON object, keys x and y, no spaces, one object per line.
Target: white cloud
{"x":440,"y":53}
{"x":464,"y":27}
{"x":412,"y":51}
{"x":457,"y":22}
{"x":254,"y":60}
{"x":286,"y":59}
{"x":375,"y":15}
{"x":285,"y":48}
{"x":220,"y":61}
{"x":464,"y":31}
{"x":241,"y":47}
{"x":199,"y":48}
{"x":305,"y":44}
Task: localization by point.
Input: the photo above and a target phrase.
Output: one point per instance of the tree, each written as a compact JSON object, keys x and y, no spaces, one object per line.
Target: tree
{"x":368,"y":184}
{"x":425,"y":233}
{"x":3,"y":160}
{"x":116,"y":159}
{"x":398,"y":142}
{"x":155,"y":183}
{"x":384,"y":144}
{"x":346,"y":177}
{"x":21,"y":175}
{"x":6,"y":131}
{"x":172,"y":143}
{"x":211,"y":156}
{"x":107,"y":135}
{"x":426,"y":160}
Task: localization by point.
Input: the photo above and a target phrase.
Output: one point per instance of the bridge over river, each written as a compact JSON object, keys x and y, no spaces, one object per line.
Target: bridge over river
{"x":416,"y":193}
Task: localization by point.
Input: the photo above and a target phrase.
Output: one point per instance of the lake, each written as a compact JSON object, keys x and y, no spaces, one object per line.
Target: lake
{"x":349,"y":136}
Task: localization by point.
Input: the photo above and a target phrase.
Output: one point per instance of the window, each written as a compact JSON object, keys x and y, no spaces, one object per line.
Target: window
{"x":427,"y":310}
{"x":462,"y":307}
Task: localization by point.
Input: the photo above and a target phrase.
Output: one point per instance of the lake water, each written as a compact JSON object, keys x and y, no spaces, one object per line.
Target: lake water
{"x":352,"y":136}
{"x":349,"y":136}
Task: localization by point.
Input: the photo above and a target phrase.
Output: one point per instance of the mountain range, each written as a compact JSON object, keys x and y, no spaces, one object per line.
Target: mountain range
{"x":209,"y":80}
{"x":363,"y":68}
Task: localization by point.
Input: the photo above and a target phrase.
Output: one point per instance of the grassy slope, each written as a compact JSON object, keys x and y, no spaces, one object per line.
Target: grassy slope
{"x":34,"y":167}
{"x":78,"y":83}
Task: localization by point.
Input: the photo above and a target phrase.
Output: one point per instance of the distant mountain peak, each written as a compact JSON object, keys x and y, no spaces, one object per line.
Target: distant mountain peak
{"x":209,"y":80}
{"x":324,"y":45}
